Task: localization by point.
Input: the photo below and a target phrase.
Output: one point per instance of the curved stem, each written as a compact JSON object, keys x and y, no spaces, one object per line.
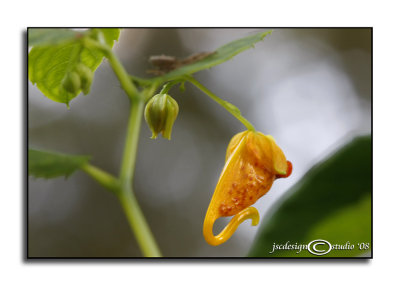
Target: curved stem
{"x":126,"y":196}
{"x":169,"y":85}
{"x":123,"y":76}
{"x":124,"y":189}
{"x":225,"y":104}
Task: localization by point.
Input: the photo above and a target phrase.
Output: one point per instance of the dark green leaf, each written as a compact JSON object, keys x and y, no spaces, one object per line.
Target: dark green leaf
{"x":43,"y":164}
{"x":37,"y":36}
{"x":221,"y":55}
{"x":49,"y":65}
{"x":331,"y":202}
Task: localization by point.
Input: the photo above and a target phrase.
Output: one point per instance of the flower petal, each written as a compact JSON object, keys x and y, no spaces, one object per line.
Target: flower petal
{"x":278,"y":158}
{"x":244,"y":179}
{"x":234,"y":143}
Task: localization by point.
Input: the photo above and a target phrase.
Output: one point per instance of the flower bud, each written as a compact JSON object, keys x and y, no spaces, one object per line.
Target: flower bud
{"x":86,"y":77}
{"x":160,"y":114}
{"x":72,"y":82}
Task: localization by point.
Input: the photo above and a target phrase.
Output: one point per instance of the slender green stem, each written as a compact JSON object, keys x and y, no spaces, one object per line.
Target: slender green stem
{"x":128,"y":200}
{"x":169,"y":85}
{"x":131,"y":143}
{"x":123,"y":76}
{"x":138,"y":223}
{"x":225,"y":104}
{"x":123,"y":186}
{"x":103,"y":178}
{"x":126,"y":196}
{"x":141,"y":81}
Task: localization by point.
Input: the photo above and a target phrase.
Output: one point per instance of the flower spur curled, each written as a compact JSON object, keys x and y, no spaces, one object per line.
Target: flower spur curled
{"x":253,"y":161}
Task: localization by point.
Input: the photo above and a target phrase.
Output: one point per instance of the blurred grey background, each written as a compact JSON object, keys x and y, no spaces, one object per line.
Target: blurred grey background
{"x":309,"y":88}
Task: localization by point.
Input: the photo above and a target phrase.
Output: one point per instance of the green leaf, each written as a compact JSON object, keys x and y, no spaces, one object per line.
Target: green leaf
{"x":331,"y":202}
{"x":43,"y":164}
{"x":352,"y":223}
{"x":49,"y":65}
{"x":221,"y":55}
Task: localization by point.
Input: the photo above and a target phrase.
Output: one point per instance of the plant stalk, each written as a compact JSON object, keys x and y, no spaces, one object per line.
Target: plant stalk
{"x":131,"y":143}
{"x":126,"y":196}
{"x":138,"y":223}
{"x":105,"y":179}
{"x":131,"y":207}
{"x":225,"y":104}
{"x":122,"y":186}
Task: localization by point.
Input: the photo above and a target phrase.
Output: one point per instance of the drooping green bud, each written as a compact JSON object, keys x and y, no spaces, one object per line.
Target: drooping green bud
{"x":160,"y":114}
{"x":86,"y":77}
{"x":72,"y":82}
{"x":172,"y":113}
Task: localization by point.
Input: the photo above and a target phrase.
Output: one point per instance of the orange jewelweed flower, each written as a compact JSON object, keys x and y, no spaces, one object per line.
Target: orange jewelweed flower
{"x":253,"y":161}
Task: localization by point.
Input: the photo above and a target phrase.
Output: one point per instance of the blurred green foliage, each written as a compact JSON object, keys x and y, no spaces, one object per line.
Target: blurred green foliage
{"x":331,"y":202}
